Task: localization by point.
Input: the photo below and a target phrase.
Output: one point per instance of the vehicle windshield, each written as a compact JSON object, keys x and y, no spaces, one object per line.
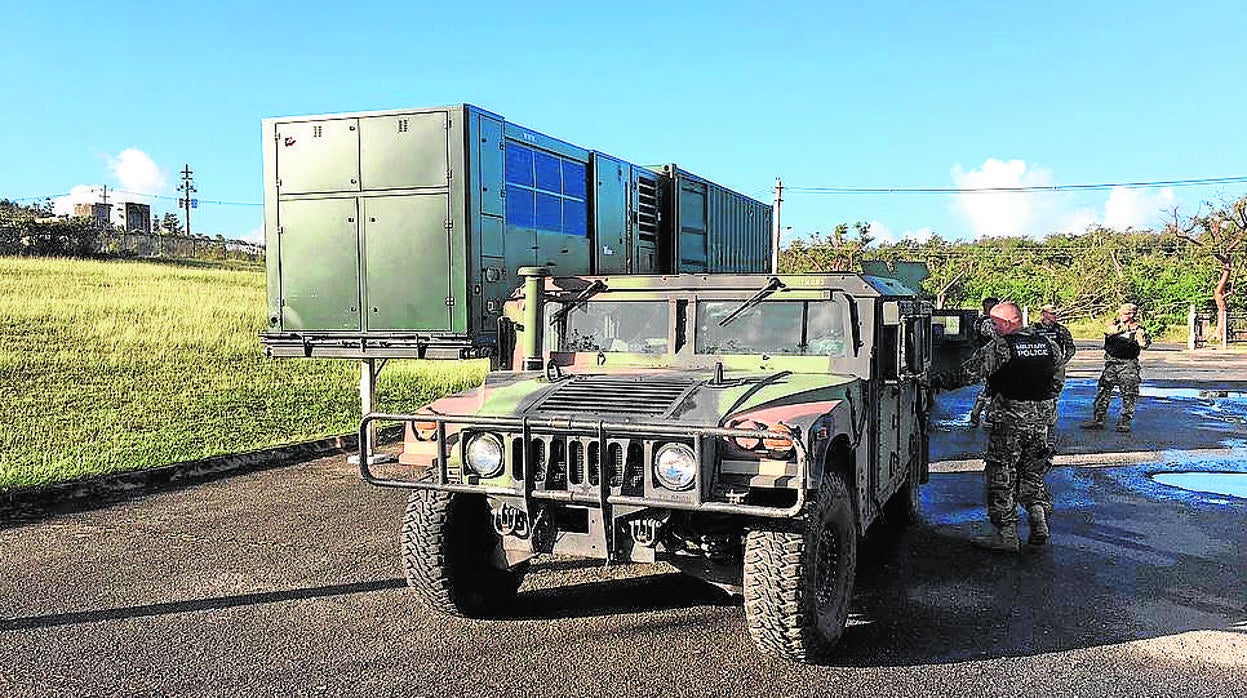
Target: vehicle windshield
{"x":639,"y":327}
{"x":811,"y":328}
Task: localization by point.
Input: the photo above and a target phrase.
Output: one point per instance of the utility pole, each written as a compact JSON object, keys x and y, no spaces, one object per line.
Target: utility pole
{"x":187,"y":187}
{"x":103,"y":221}
{"x":775,"y":225}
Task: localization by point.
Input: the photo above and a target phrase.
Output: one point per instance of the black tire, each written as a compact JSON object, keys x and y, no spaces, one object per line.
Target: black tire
{"x":798,"y":583}
{"x":451,"y":555}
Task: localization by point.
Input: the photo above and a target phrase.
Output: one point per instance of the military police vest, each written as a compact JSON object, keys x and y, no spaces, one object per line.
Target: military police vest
{"x":1120,"y":346}
{"x":1029,"y":372}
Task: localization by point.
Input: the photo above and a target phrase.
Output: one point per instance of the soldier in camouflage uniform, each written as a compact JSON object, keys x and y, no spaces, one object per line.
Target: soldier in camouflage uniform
{"x":984,"y":330}
{"x":1054,"y":330}
{"x":1123,"y":340}
{"x":1019,"y":366}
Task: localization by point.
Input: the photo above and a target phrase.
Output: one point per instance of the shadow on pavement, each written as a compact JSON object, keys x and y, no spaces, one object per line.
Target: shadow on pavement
{"x":210,"y":604}
{"x":658,"y":592}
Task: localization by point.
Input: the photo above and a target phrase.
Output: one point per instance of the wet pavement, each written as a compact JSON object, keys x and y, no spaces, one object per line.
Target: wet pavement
{"x":287,"y":582}
{"x":1167,"y":417}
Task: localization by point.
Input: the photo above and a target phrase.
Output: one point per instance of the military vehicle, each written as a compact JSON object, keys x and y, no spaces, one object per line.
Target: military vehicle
{"x":747,"y":428}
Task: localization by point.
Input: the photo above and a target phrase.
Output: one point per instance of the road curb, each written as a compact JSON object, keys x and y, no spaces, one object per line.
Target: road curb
{"x":26,"y":504}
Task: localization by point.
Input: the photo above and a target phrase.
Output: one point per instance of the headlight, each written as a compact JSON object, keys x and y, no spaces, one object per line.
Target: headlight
{"x":675,"y":466}
{"x":483,"y":454}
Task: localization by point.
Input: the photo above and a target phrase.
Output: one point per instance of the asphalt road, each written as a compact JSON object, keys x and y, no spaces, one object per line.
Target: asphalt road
{"x":287,"y":582}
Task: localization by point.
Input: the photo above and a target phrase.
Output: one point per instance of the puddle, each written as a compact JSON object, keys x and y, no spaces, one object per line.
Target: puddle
{"x":1225,"y":484}
{"x":1190,"y":393}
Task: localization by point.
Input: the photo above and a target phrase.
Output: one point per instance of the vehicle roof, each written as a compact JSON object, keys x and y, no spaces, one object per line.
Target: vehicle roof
{"x":859,"y":285}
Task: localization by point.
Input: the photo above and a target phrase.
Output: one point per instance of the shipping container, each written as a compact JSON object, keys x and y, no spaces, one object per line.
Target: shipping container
{"x":399,"y":233}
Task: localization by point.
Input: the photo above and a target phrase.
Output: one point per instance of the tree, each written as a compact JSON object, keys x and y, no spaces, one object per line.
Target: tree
{"x":841,"y":251}
{"x":1222,"y":234}
{"x":171,"y":224}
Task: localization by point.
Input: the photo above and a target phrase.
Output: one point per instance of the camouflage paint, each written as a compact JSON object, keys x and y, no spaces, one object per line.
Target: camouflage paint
{"x":820,"y":398}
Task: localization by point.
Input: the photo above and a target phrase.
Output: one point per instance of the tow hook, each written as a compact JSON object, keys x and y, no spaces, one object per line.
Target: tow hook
{"x":645,"y":530}
{"x":509,"y":521}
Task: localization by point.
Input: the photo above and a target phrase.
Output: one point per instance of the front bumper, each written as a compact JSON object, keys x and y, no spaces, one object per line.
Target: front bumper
{"x":529,"y":481}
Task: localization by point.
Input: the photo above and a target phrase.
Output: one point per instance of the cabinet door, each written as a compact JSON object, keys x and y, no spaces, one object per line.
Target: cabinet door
{"x":318,"y":249}
{"x":490,"y":166}
{"x":611,"y":212}
{"x":404,"y":151}
{"x":407,"y":262}
{"x":316,"y":157}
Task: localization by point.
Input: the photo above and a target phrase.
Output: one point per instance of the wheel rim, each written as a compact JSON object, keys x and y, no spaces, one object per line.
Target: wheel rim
{"x":827,"y":575}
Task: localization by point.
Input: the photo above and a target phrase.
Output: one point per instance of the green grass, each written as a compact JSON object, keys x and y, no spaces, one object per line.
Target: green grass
{"x":109,"y":366}
{"x":1161,"y":332}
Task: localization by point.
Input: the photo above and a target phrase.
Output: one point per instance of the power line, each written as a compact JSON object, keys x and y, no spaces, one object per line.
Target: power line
{"x":165,"y":197}
{"x":1155,"y":184}
{"x":40,"y":198}
{"x":202,"y":201}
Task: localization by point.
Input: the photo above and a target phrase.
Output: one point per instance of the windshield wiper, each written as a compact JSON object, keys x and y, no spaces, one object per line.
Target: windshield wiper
{"x":771,"y":287}
{"x":592,"y":289}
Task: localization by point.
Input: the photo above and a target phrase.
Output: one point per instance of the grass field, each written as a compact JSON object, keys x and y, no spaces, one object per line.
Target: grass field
{"x":108,"y":366}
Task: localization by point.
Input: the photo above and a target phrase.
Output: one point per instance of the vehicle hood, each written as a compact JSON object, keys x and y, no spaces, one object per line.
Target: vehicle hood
{"x":678,"y":396}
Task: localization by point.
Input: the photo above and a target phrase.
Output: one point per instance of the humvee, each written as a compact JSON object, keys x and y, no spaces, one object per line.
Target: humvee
{"x":746,"y":428}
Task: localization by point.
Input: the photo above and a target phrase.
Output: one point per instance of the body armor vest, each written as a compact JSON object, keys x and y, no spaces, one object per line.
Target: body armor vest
{"x":1029,"y":372}
{"x":1120,"y":346}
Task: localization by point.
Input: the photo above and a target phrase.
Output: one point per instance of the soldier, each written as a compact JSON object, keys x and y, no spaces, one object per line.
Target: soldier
{"x":1020,"y":366}
{"x":984,"y":331}
{"x":1123,"y":340}
{"x":1054,"y":330}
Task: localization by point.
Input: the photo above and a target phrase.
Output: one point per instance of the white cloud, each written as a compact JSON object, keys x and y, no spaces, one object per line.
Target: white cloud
{"x":1038,"y":213}
{"x":137,"y":176}
{"x":255,"y":235}
{"x":1001,"y":213}
{"x":1136,"y":208}
{"x":883,"y":234}
{"x":137,"y":172}
{"x":1077,"y":220}
{"x":94,"y":194}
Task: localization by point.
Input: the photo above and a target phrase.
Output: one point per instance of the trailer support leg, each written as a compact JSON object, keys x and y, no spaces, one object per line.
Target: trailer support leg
{"x":369,"y":369}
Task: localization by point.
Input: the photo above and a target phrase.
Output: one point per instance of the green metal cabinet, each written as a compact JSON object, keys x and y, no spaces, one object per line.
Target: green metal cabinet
{"x":399,"y":233}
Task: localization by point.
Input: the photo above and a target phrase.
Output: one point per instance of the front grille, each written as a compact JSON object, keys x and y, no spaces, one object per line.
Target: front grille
{"x":560,"y":463}
{"x":615,"y":395}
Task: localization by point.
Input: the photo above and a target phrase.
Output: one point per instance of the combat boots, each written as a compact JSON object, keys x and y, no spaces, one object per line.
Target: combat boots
{"x":1001,"y":538}
{"x":1093,"y":423}
{"x":1123,"y":426}
{"x":1039,"y":524}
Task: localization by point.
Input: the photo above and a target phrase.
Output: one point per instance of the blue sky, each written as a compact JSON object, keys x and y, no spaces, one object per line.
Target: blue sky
{"x":883,"y":94}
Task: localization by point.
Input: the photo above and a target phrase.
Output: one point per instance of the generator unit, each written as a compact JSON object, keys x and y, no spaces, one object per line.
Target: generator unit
{"x":399,"y":233}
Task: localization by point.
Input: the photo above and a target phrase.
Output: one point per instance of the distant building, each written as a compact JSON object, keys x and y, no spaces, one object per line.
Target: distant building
{"x":97,"y":213}
{"x":138,"y":218}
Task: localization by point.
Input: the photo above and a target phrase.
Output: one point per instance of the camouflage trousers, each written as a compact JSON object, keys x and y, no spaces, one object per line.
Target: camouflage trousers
{"x":980,"y":403}
{"x":1123,"y":374}
{"x":1017,"y":460}
{"x":1051,"y":408}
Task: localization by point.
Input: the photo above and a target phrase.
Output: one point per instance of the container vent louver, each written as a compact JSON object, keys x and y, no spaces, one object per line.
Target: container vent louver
{"x":617,"y":395}
{"x":647,"y":209}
